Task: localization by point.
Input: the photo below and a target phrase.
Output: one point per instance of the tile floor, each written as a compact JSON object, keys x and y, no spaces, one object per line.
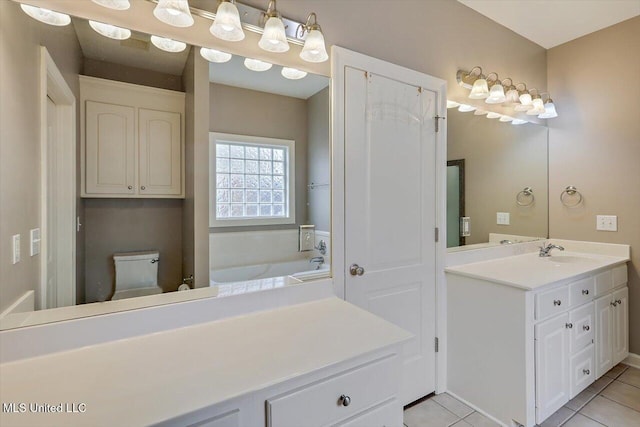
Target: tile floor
{"x":612,"y":401}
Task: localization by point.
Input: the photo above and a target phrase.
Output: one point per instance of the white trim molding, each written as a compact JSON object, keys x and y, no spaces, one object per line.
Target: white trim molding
{"x":632,"y":360}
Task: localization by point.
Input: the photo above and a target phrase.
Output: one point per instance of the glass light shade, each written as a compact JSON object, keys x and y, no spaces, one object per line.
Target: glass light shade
{"x":47,"y":16}
{"x":314,"y":49}
{"x":257,"y":65}
{"x":512,"y":96}
{"x":492,"y":115}
{"x":522,"y":107}
{"x":518,"y":122}
{"x":227,"y":24}
{"x":452,"y":104}
{"x":464,"y":108}
{"x":480,"y":112}
{"x":174,"y":12}
{"x":114,"y":4}
{"x":506,"y":119}
{"x":480,"y":89}
{"x":213,"y":55}
{"x":292,"y":73}
{"x":525,"y":98}
{"x":549,"y":111}
{"x":168,"y":45}
{"x":111,"y":31}
{"x":538,"y":107}
{"x":496,"y":94}
{"x":274,"y":39}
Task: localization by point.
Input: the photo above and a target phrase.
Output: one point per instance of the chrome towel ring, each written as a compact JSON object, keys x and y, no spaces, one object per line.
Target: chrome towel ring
{"x":570,"y":191}
{"x":525,"y":197}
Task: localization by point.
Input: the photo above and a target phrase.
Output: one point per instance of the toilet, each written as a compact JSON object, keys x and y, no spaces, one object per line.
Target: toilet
{"x":136,"y":274}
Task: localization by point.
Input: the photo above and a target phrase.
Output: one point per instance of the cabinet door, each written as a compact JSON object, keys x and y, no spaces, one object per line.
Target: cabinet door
{"x":110,"y":153}
{"x":552,"y":366}
{"x":620,"y":325}
{"x":160,"y":151}
{"x":604,"y":334}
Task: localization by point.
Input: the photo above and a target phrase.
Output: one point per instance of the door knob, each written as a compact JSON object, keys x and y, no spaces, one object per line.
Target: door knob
{"x":344,"y":400}
{"x":356,"y":270}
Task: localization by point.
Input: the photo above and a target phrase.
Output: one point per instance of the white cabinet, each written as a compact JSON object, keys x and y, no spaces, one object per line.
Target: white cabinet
{"x":132,"y":140}
{"x":612,"y":330}
{"x":620,"y":325}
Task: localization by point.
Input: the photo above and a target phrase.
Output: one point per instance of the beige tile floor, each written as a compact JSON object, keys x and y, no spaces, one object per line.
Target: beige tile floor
{"x":612,"y":401}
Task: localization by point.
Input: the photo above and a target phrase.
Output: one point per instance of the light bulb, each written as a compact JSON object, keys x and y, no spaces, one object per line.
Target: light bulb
{"x":174,"y":12}
{"x":226,"y":25}
{"x":292,"y":73}
{"x":496,"y":95}
{"x":114,"y":4}
{"x":480,"y":89}
{"x":274,"y":38}
{"x":168,"y":45}
{"x":464,"y":108}
{"x":257,"y":65}
{"x":452,"y":104}
{"x":47,"y":16}
{"x":314,"y":49}
{"x":110,"y":31}
{"x":492,"y":115}
{"x":213,"y":55}
{"x":538,"y":107}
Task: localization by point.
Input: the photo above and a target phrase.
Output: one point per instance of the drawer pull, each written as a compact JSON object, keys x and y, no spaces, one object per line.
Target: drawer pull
{"x":585,"y":292}
{"x":586,"y":371}
{"x":614,"y":303}
{"x":557,"y":302}
{"x":130,"y":187}
{"x":344,"y":400}
{"x":568,"y":325}
{"x":586,"y":328}
{"x":619,"y":302}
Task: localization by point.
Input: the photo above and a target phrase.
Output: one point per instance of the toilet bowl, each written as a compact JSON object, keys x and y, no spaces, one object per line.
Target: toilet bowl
{"x":136,"y":274}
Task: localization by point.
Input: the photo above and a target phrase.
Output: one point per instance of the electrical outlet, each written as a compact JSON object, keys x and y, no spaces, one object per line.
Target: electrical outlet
{"x":606,"y":223}
{"x":35,"y":241}
{"x":15,"y":244}
{"x":502,"y":218}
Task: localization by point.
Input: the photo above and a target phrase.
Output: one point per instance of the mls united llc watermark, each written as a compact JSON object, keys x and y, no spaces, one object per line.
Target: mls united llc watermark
{"x":44,"y":408}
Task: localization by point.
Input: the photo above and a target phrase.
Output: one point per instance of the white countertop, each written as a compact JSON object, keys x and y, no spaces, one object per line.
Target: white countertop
{"x":530,"y":271}
{"x":152,"y":378}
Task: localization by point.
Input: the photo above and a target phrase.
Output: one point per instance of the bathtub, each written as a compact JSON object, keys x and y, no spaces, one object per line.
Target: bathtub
{"x":300,"y":269}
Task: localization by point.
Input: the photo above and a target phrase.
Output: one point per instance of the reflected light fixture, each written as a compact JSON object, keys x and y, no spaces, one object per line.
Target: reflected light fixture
{"x":174,"y":12}
{"x":464,"y":108}
{"x":226,"y":25}
{"x":549,"y":110}
{"x":474,"y":80}
{"x":257,"y":65}
{"x":110,"y":31}
{"x":480,"y":112}
{"x":496,"y":92}
{"x":114,"y":4}
{"x":168,"y":45}
{"x":452,"y":104}
{"x":512,"y":95}
{"x":518,"y":122}
{"x":314,"y":49}
{"x":538,"y":106}
{"x":293,"y":73}
{"x":492,"y":115}
{"x":274,"y":37}
{"x":46,"y":16}
{"x":213,"y":55}
{"x":506,"y":119}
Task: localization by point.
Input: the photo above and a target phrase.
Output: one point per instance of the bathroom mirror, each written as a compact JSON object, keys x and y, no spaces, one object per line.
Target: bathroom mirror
{"x":243,"y":103}
{"x":497,"y":181}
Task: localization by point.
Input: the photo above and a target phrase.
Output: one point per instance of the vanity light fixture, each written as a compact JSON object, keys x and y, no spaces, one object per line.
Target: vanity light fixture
{"x":452,"y":104}
{"x":512,"y":95}
{"x":257,"y":65}
{"x":549,"y":109}
{"x":45,"y":15}
{"x":114,"y":4}
{"x":492,"y":115}
{"x":226,"y":25}
{"x":464,"y":108}
{"x":293,"y":73}
{"x":537,"y":106}
{"x":110,"y":31}
{"x":314,"y":49}
{"x":496,"y":91}
{"x":168,"y":45}
{"x":213,"y":55}
{"x":274,"y":37}
{"x":174,"y":12}
{"x":524,"y":98}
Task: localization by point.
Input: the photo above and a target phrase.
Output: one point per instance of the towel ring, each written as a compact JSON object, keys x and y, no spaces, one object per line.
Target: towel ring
{"x":523,"y":195}
{"x":571,"y":191}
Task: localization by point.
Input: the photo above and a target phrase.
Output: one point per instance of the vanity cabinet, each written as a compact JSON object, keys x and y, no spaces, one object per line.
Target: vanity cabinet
{"x":132,"y":140}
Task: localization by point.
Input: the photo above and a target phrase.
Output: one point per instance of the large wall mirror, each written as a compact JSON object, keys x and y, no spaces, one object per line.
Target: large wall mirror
{"x":269,"y":178}
{"x":497,"y":181}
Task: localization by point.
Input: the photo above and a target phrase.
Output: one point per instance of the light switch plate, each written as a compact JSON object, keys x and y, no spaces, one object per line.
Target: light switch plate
{"x":465,"y":226}
{"x":15,"y":244}
{"x":307,"y":236}
{"x":606,"y":223}
{"x":35,"y":241}
{"x":503,"y":218}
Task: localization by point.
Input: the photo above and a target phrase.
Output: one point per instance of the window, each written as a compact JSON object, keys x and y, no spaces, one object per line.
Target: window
{"x":252,"y":180}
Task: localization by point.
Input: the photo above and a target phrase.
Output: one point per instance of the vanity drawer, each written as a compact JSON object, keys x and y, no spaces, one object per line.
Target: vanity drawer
{"x":321,"y":404}
{"x":581,"y":292}
{"x":552,"y":302}
{"x":620,"y":275}
{"x":582,"y":371}
{"x":582,"y":330}
{"x":604,"y":282}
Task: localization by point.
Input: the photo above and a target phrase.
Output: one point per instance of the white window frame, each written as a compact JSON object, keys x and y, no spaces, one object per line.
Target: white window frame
{"x":216,"y":137}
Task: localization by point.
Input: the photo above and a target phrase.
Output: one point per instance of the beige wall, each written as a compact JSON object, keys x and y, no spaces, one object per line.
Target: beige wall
{"x":319,"y":159}
{"x":595,"y":143}
{"x":500,"y":161}
{"x":138,"y":76}
{"x":20,"y":41}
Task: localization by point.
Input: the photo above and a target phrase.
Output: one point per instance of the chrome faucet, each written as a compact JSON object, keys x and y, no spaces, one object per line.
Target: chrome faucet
{"x":546,"y":249}
{"x":322,"y":247}
{"x":319,"y":260}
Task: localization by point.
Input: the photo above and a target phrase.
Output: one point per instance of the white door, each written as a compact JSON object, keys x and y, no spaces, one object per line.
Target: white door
{"x":604,"y":335}
{"x":51,"y":227}
{"x":620,"y":325}
{"x":159,"y":152}
{"x":552,"y":366}
{"x":390,"y":213}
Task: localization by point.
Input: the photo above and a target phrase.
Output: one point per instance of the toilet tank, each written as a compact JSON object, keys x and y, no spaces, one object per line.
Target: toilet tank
{"x":136,"y":270}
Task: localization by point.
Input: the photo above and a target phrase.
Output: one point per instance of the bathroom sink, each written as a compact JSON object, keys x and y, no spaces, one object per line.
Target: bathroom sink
{"x":569,"y":259}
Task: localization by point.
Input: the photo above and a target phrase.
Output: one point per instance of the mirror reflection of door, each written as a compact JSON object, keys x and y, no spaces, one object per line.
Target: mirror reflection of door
{"x":455,"y":202}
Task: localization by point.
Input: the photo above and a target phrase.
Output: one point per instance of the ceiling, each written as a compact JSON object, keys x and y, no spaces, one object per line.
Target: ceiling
{"x":550,"y":23}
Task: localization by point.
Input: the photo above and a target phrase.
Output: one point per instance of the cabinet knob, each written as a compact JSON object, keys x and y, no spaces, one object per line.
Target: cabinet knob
{"x":585,"y":292}
{"x":557,"y":302}
{"x":130,"y":187}
{"x":619,"y":302}
{"x":143,"y":187}
{"x":614,"y":303}
{"x":586,"y":328}
{"x":586,"y":371}
{"x":344,"y":400}
{"x":568,"y":325}
{"x":356,"y":270}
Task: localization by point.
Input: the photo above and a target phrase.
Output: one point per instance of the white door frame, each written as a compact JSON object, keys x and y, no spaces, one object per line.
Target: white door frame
{"x":340,"y":59}
{"x":53,"y":85}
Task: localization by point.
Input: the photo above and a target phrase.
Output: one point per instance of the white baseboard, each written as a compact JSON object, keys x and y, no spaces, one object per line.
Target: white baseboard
{"x":475,"y":408}
{"x":25,"y":303}
{"x":632,"y":360}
